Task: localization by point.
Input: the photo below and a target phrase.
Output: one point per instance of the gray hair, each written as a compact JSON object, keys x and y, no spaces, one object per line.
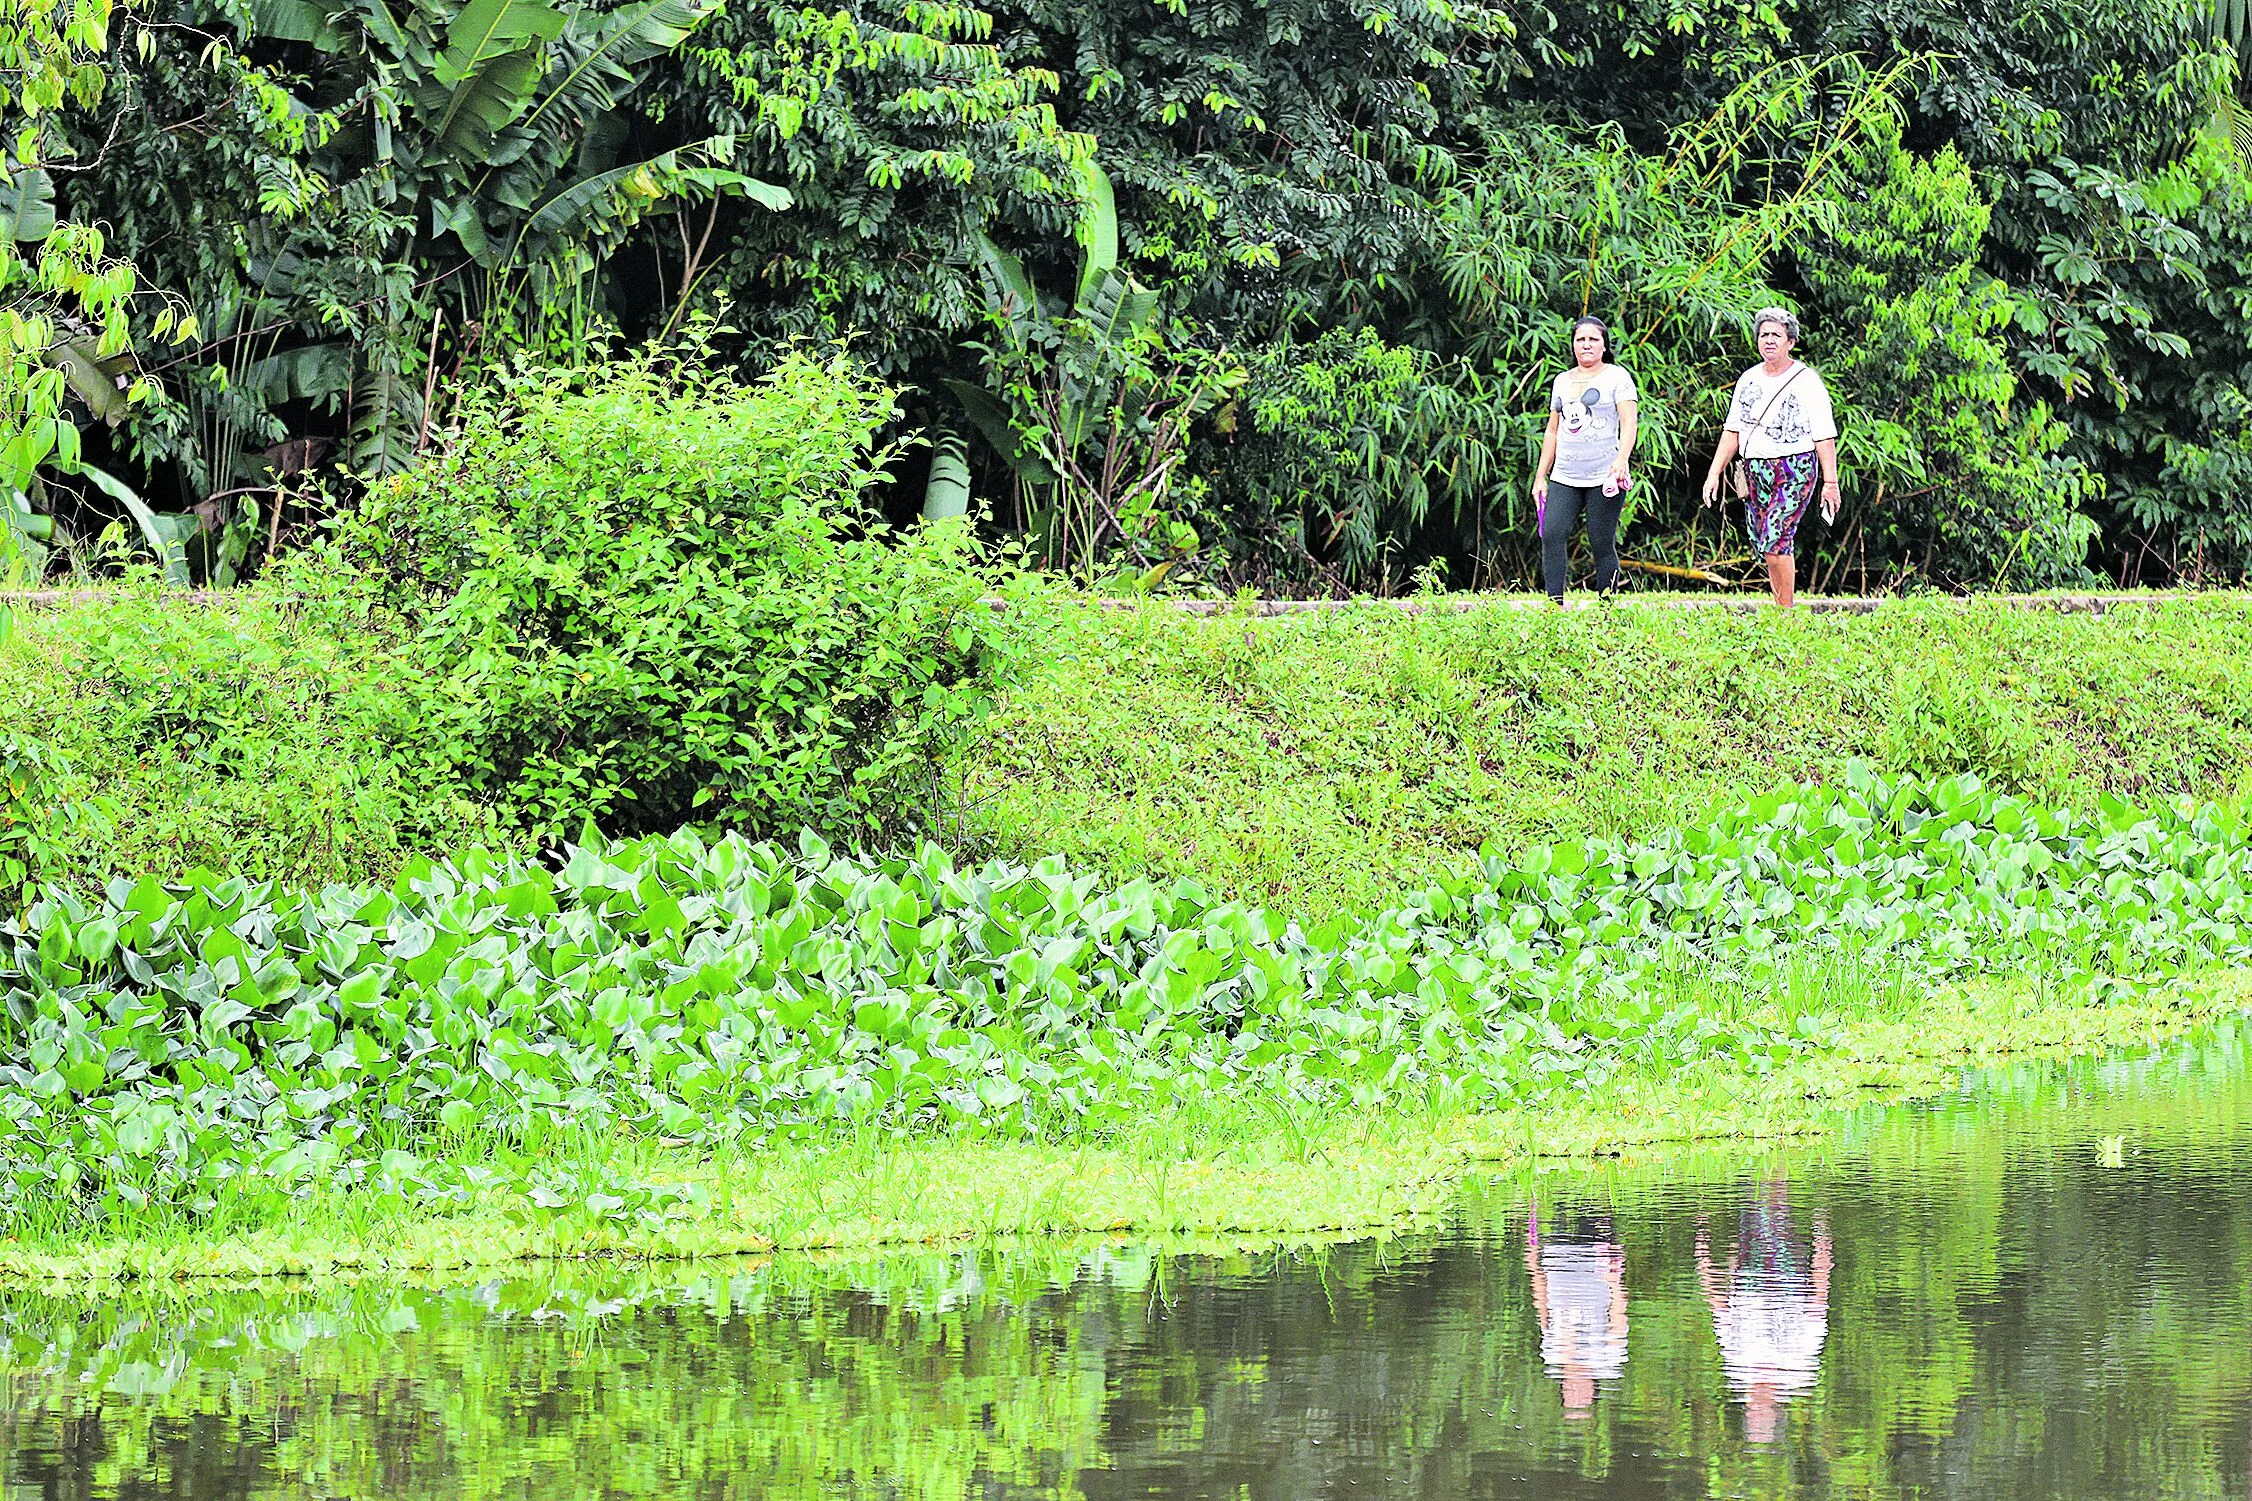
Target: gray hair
{"x":1784,"y":316}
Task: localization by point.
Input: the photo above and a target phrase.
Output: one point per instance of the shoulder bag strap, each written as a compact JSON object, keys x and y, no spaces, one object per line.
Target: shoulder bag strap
{"x":1739,"y":468}
{"x":1778,"y":396}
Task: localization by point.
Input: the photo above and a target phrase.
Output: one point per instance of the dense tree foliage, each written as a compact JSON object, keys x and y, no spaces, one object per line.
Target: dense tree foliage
{"x":1357,"y":233}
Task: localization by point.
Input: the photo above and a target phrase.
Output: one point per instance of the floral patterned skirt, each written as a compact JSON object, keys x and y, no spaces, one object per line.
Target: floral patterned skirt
{"x":1782,"y":489}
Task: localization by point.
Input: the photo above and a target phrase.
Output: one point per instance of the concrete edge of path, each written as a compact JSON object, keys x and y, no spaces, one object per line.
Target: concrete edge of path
{"x":1828,"y":604}
{"x":1825,"y":604}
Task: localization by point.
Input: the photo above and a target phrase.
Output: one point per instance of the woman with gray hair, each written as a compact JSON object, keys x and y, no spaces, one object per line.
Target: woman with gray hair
{"x":1783,"y":441}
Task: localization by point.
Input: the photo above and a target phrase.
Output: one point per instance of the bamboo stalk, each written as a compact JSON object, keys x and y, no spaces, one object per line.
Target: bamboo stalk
{"x":1675,"y":570}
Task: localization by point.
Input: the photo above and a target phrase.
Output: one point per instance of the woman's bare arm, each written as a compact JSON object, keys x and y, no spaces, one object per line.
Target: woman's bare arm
{"x":1629,"y":425}
{"x":1720,"y":458}
{"x":1547,"y":454}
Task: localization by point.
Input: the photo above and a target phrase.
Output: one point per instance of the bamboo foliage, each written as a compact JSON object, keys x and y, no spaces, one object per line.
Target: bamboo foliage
{"x":1674,"y":250}
{"x":1425,"y":194}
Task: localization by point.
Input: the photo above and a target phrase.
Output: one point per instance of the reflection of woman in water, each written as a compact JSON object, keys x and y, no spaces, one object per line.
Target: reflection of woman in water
{"x":1579,"y":1290}
{"x":1770,"y":1307}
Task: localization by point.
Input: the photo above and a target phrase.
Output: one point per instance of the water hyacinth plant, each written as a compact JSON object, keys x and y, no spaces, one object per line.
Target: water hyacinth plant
{"x":170,"y":1047}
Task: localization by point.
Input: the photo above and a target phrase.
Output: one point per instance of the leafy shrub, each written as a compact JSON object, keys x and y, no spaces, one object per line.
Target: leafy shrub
{"x":645,"y":592}
{"x":175,"y":1044}
{"x":1942,"y":723}
{"x":1344,"y":441}
{"x":28,"y":814}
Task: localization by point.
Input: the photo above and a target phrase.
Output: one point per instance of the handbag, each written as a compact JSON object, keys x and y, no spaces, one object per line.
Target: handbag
{"x":1739,"y":467}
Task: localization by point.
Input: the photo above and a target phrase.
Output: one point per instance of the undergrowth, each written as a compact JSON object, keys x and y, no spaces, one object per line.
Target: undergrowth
{"x":218,"y":1051}
{"x":160,"y":733}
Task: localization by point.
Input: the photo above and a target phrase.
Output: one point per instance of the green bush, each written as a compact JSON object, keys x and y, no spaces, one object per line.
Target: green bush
{"x":1942,"y":723}
{"x":646,"y":593}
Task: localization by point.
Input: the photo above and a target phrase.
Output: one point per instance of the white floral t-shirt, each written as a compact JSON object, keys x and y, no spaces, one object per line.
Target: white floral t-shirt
{"x":1780,"y":415}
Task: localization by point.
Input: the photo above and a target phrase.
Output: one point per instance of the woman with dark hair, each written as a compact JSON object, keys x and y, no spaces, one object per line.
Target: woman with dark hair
{"x":1583,"y":460}
{"x":1780,"y":423}
{"x":1770,"y":1304}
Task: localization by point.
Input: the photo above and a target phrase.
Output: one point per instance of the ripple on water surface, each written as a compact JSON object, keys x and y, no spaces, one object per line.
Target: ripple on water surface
{"x":2035,"y":1288}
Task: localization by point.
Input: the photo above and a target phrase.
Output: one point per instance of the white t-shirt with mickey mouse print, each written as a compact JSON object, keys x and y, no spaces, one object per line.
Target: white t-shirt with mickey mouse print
{"x":1792,"y":415}
{"x":1587,"y":432}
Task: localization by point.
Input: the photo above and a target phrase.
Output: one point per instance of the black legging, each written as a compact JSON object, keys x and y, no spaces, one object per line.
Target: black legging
{"x":1565,"y":505}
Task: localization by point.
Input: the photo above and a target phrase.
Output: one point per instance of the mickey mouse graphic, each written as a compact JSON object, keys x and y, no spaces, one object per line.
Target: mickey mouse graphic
{"x":1580,"y":412}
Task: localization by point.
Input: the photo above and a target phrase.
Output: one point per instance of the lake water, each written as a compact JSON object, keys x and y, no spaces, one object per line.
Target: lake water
{"x":2039,"y":1287}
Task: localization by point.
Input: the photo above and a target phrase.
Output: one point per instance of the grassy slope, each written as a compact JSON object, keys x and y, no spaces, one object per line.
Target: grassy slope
{"x":223,"y":734}
{"x":1319,"y":761}
{"x":1350,"y":1175}
{"x":1309,"y":762}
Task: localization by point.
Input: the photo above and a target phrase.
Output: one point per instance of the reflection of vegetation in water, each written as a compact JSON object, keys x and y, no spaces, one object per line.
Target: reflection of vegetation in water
{"x":2008,"y":1317}
{"x":778,"y":1382}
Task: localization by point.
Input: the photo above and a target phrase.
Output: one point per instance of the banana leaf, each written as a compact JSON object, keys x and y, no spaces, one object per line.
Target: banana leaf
{"x":382,"y":25}
{"x":296,"y":21}
{"x":94,"y":381}
{"x":632,"y":34}
{"x":1098,"y":231}
{"x":24,"y":549}
{"x":27,"y":204}
{"x":495,"y":56}
{"x":1007,"y":288}
{"x":1116,"y":313}
{"x":616,"y":199}
{"x":994,"y":424}
{"x":167,"y":535}
{"x":2230,"y":21}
